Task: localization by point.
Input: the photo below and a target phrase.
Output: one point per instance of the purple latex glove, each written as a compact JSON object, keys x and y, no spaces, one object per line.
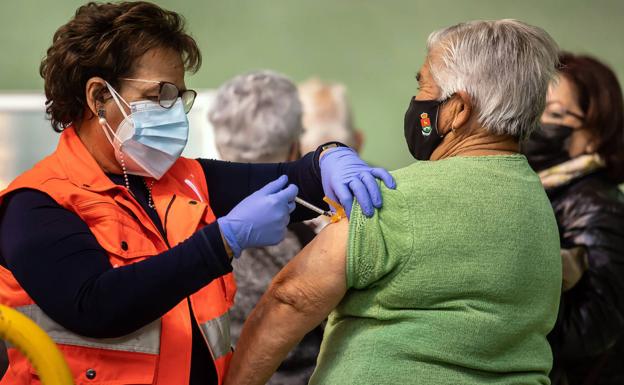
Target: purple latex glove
{"x":261,"y":218}
{"x":344,"y":175}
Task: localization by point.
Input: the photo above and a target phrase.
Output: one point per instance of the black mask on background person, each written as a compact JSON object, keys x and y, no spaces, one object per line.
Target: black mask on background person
{"x":421,"y":127}
{"x":547,"y":146}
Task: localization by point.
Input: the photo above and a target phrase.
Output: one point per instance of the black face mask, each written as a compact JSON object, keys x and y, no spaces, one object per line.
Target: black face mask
{"x":421,"y":127}
{"x":547,"y":146}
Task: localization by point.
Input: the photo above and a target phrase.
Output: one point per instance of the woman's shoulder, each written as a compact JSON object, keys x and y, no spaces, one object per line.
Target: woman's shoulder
{"x":593,"y":191}
{"x":418,"y":175}
{"x":589,"y":202}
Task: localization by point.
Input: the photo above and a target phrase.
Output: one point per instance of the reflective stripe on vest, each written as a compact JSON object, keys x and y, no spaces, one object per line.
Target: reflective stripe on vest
{"x":144,"y":340}
{"x":217,"y":332}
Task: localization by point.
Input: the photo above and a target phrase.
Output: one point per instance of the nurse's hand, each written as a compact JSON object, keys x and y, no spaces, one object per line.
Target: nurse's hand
{"x":261,"y":218}
{"x":344,"y":175}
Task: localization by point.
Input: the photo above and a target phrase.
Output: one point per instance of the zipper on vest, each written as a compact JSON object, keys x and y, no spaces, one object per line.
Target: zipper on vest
{"x":165,"y":220}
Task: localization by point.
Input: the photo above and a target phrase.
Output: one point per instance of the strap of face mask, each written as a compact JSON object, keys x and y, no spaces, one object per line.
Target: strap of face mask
{"x":117,"y":98}
{"x":108,"y":130}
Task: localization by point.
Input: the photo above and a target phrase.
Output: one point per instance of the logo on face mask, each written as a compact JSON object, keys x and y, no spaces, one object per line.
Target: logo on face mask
{"x":425,"y":123}
{"x":422,"y":139}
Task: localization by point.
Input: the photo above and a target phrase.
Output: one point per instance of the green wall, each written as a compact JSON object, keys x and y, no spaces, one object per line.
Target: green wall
{"x":375,"y":47}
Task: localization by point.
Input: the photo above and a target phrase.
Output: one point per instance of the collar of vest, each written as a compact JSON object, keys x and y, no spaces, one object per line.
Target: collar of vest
{"x":79,"y":165}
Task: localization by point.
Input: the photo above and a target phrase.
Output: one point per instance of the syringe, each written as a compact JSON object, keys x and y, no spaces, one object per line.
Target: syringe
{"x":312,"y":207}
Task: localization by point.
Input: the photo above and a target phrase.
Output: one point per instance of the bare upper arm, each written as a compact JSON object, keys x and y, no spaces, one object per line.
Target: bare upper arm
{"x":299,"y":298}
{"x":315,"y":280}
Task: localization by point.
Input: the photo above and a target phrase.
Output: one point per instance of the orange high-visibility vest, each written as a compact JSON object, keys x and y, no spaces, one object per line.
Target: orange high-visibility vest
{"x":158,"y":353}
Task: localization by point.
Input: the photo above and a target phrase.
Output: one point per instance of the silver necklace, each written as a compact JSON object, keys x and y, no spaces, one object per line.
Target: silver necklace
{"x":148,"y":186}
{"x":150,"y":200}
{"x":125,"y":173}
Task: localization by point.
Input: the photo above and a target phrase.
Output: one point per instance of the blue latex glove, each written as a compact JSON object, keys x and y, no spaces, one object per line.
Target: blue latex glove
{"x":261,"y":218}
{"x":344,"y":174}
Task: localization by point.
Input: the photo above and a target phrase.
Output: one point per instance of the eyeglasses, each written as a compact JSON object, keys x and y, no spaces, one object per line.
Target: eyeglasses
{"x":168,"y":93}
{"x":555,"y":110}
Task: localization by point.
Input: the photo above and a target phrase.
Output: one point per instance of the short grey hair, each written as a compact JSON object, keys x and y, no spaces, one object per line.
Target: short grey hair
{"x":256,"y":117}
{"x":326,"y":114}
{"x":504,"y":65}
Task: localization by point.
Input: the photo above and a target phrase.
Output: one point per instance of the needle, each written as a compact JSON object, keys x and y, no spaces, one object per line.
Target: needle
{"x":312,"y":207}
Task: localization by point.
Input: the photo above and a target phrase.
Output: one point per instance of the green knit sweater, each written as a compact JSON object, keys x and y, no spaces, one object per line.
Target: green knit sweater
{"x":456,"y":280}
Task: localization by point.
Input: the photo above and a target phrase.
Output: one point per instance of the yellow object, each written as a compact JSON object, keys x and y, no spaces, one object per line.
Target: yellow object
{"x":22,"y":333}
{"x":340,"y":211}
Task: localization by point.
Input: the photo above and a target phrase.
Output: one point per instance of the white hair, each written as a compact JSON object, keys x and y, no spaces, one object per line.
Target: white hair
{"x":326,"y":114}
{"x":504,"y":65}
{"x":256,"y":117}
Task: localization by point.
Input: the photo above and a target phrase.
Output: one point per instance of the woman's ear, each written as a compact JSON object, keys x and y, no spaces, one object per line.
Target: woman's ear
{"x":359,"y":140}
{"x":462,"y":110}
{"x":455,"y":113}
{"x":95,"y":91}
{"x":294,"y":153}
{"x":592,"y":145}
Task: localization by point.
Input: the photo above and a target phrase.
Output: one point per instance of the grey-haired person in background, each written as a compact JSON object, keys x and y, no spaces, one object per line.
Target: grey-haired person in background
{"x":257,"y":119}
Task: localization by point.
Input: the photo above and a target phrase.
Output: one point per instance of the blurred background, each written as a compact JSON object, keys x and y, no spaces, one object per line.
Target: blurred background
{"x":374,"y":47}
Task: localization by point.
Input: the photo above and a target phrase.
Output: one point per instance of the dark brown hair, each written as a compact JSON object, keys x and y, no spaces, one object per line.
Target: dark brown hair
{"x":600,"y":98}
{"x":105,"y":40}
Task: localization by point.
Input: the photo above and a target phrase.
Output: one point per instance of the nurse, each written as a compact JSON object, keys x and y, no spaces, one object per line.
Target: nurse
{"x":118,"y":247}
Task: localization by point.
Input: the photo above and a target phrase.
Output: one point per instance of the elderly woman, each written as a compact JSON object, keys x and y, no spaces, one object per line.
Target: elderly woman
{"x":116,"y":245}
{"x":456,"y":280}
{"x":257,"y":118}
{"x":579,"y":153}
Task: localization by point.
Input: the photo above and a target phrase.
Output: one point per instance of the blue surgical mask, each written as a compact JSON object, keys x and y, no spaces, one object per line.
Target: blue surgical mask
{"x":150,"y":139}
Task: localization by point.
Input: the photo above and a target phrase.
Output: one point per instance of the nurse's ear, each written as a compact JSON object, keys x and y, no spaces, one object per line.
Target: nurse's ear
{"x":95,"y":92}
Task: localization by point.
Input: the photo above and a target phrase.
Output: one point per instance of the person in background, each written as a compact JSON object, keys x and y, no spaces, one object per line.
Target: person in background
{"x":327,"y":115}
{"x":257,"y":118}
{"x":118,"y":246}
{"x":456,"y":280}
{"x":579,"y":154}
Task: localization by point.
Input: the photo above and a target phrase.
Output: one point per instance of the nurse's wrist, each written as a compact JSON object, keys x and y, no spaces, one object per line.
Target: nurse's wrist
{"x":228,"y":249}
{"x":321,"y":151}
{"x":228,"y":238}
{"x":326,"y":147}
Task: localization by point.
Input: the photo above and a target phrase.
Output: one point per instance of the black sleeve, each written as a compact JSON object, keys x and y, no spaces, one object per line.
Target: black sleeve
{"x":230,"y":182}
{"x":59,"y":263}
{"x":591,"y":314}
